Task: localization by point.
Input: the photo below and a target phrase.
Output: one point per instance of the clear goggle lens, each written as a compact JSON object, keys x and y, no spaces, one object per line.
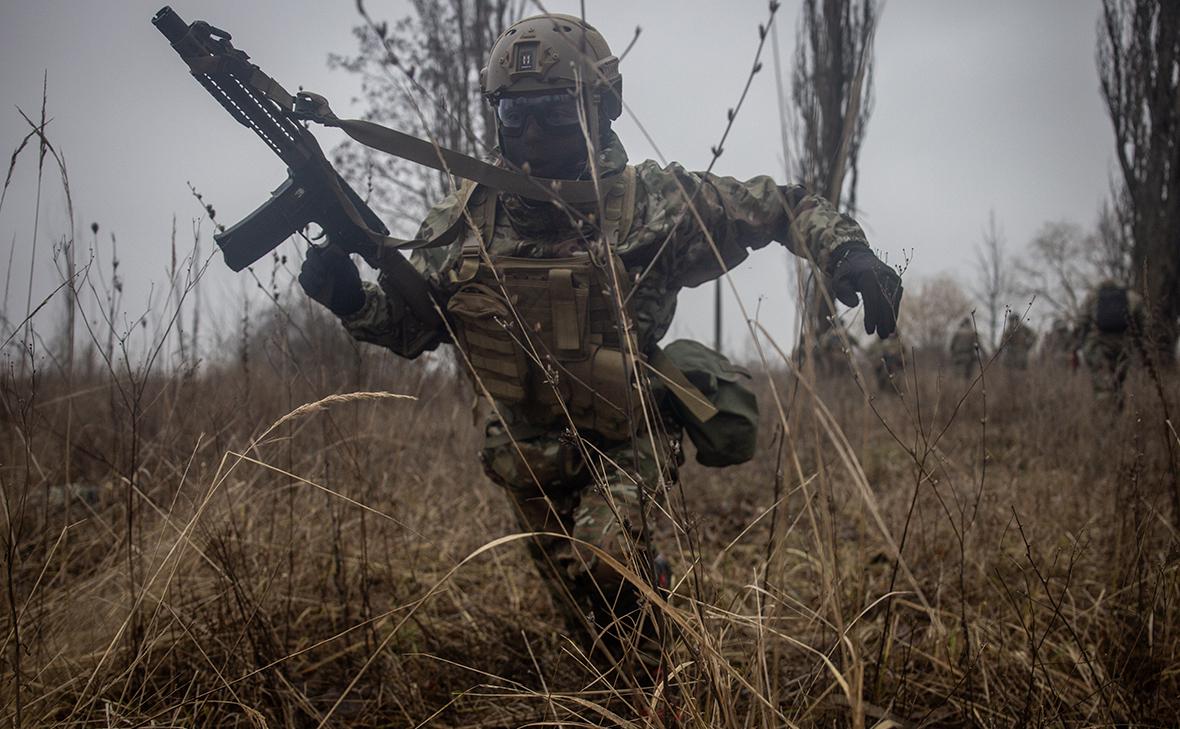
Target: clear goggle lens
{"x":550,"y":110}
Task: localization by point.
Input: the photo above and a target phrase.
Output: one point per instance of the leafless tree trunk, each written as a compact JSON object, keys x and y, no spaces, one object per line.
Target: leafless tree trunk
{"x":993,"y":283}
{"x":1139,"y":70}
{"x":831,"y":91}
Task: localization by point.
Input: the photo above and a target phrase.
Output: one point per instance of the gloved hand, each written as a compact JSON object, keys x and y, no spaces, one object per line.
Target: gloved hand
{"x":330,"y":277}
{"x":854,"y":269}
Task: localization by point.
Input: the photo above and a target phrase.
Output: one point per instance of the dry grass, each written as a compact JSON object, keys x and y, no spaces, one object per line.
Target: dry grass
{"x":320,"y":568}
{"x":301,"y":535}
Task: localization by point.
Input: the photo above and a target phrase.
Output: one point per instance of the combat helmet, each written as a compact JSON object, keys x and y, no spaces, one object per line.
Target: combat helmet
{"x":550,"y":53}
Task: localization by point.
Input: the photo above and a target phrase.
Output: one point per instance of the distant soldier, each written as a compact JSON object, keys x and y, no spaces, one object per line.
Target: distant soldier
{"x":888,"y":359}
{"x":830,"y":359}
{"x":1109,"y":330}
{"x":964,"y":345}
{"x":1019,"y":340}
{"x":1059,"y":346}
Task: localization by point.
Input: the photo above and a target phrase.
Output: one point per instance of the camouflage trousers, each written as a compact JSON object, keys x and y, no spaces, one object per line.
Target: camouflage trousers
{"x":1108,"y":358}
{"x":594,"y":492}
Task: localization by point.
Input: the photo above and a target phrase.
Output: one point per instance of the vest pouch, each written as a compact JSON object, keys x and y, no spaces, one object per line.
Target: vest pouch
{"x":492,"y":341}
{"x":552,"y":296}
{"x":593,"y":391}
{"x":730,"y":436}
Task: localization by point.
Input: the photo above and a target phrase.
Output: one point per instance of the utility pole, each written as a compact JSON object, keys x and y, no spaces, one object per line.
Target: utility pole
{"x":717,"y":315}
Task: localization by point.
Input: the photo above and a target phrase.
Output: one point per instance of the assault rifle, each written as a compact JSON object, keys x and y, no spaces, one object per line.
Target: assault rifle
{"x":313,"y":191}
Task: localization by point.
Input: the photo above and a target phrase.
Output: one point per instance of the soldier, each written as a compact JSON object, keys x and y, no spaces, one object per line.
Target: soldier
{"x":1018,"y":341}
{"x":830,"y":358}
{"x":555,"y":308}
{"x":1058,"y":347}
{"x":1109,"y":331}
{"x":888,"y":359}
{"x":964,"y":349}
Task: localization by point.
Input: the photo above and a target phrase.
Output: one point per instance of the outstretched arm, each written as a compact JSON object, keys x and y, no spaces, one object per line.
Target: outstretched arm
{"x":703,"y":217}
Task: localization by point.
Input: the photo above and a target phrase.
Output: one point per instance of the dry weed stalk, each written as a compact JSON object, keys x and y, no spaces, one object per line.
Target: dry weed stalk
{"x":948,"y":554}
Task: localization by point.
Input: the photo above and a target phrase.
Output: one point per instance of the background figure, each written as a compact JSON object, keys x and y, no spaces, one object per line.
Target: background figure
{"x":830,"y":360}
{"x":1059,"y":346}
{"x":1110,"y":328}
{"x":888,"y":359}
{"x":964,"y":358}
{"x":1018,"y":341}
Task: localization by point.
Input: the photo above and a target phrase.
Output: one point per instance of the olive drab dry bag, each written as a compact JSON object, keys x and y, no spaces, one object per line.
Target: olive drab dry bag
{"x":730,"y":436}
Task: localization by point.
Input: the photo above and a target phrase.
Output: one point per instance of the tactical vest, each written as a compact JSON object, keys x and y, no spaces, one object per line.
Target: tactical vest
{"x":543,"y":334}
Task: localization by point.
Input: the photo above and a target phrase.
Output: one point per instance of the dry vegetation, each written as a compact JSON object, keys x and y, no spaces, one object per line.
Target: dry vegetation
{"x":278,"y":536}
{"x":197,"y":565}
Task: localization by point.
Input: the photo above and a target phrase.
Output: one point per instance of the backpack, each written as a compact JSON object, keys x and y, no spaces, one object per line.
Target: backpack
{"x":1112,"y":312}
{"x":729,"y":436}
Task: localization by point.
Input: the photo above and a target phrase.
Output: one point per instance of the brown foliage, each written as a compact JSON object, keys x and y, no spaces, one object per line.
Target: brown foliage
{"x":342,"y":563}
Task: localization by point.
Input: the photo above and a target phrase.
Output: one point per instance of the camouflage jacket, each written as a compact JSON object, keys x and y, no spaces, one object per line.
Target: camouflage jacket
{"x":963,"y":343}
{"x":666,"y":247}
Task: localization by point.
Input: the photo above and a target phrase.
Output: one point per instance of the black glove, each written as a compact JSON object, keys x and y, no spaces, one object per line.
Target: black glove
{"x":330,"y":277}
{"x":854,"y":269}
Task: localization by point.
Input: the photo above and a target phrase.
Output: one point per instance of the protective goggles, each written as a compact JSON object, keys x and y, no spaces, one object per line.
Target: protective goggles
{"x":550,"y":111}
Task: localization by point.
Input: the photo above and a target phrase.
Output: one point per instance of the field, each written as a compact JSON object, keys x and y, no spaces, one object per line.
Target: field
{"x":297,"y":532}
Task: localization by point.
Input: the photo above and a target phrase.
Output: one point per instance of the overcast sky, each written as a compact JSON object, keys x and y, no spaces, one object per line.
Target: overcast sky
{"x":978,"y":107}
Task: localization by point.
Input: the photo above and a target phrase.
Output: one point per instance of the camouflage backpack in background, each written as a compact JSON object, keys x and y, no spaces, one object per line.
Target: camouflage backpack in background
{"x":1112,"y":311}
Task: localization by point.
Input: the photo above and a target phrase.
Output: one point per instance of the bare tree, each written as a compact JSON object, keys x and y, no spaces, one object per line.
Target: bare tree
{"x":1111,"y":251}
{"x":933,"y":309}
{"x":1059,"y":269}
{"x":1139,"y":70}
{"x":421,"y":75}
{"x":831,"y":93}
{"x":994,"y":281}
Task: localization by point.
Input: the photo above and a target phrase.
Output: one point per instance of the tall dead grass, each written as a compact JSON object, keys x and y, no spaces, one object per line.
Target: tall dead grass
{"x":848,"y":576}
{"x":295,"y":531}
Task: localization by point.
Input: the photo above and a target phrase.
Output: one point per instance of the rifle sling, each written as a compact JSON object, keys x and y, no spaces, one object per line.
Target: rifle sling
{"x":430,"y":155}
{"x":427,"y":154}
{"x":400,"y":145}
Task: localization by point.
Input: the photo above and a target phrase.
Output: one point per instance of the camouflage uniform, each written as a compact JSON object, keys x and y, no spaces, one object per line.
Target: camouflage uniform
{"x":964,"y":343}
{"x":1108,"y":354}
{"x":888,"y":359}
{"x":829,"y":358}
{"x":1018,"y":341}
{"x":1058,"y":347}
{"x":558,"y":485}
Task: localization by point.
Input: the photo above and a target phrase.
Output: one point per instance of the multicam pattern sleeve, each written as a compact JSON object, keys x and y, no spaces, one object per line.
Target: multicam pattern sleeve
{"x":737,"y":216}
{"x":384,"y":320}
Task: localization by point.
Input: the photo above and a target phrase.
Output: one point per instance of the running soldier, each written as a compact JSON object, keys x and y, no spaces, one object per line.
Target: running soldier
{"x":1018,"y":341}
{"x":1109,"y":332}
{"x":965,"y":352}
{"x":556,"y":310}
{"x":888,"y":359}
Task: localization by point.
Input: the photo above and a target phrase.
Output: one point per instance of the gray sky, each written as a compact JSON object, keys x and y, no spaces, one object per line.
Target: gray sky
{"x":977,"y":107}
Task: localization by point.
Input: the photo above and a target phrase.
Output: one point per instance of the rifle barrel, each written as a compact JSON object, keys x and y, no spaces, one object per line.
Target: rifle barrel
{"x":170,"y":24}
